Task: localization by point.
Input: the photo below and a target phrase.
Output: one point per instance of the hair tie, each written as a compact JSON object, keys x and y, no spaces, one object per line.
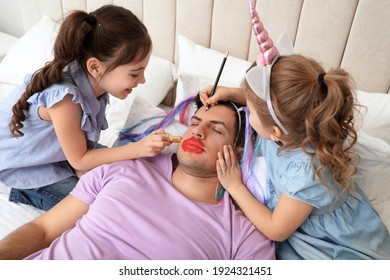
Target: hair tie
{"x":321,"y":82}
{"x":91,"y":19}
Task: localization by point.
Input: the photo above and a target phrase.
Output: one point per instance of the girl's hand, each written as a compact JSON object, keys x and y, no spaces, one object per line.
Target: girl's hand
{"x":222,"y":93}
{"x":152,"y":144}
{"x":228,"y":169}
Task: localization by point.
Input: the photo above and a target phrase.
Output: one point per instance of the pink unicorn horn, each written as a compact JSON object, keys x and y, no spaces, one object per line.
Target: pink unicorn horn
{"x":268,"y":51}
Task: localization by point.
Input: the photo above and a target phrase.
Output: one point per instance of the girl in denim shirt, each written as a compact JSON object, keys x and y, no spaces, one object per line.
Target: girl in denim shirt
{"x":51,"y":123}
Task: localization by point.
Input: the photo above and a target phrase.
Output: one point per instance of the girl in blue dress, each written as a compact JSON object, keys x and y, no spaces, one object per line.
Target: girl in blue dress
{"x":304,"y":118}
{"x":50,"y":125}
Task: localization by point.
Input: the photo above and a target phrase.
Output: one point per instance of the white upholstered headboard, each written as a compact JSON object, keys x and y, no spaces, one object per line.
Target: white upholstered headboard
{"x":353,"y":34}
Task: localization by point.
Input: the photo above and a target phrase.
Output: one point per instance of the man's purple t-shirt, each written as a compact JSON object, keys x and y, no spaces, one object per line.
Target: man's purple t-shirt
{"x":136,"y":213}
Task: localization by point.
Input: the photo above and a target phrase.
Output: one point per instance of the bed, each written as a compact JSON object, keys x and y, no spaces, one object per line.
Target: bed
{"x":190,"y":39}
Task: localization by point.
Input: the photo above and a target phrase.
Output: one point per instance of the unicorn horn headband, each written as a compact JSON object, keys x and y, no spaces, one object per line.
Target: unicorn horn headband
{"x":259,"y":76}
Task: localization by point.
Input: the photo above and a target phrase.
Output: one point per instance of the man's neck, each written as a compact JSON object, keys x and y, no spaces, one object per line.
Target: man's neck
{"x":195,"y":188}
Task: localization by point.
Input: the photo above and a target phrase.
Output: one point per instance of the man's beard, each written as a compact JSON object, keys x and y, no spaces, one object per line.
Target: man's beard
{"x":195,"y":165}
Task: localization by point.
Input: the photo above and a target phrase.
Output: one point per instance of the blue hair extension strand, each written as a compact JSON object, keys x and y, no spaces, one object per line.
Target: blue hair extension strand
{"x":247,"y":163}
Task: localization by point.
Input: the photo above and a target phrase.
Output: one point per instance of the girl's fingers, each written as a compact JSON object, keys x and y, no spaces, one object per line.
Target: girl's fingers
{"x":232,"y":155}
{"x":160,"y":131}
{"x":226,"y":155}
{"x":229,"y":155}
{"x":203,"y":98}
{"x":221,"y":162}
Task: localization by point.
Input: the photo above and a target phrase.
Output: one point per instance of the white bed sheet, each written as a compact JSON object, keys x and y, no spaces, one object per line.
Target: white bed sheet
{"x":13,"y":215}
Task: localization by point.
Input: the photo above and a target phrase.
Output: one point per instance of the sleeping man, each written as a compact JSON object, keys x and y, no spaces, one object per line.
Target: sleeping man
{"x":153,"y":208}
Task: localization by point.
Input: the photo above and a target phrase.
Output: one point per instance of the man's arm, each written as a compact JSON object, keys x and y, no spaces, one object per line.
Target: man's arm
{"x":39,"y":233}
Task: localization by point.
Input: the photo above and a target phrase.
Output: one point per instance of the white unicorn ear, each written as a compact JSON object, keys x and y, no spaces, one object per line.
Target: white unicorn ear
{"x":258,"y":79}
{"x":285,"y":46}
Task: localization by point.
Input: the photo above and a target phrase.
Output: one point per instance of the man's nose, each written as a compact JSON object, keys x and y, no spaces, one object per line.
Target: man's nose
{"x":198,"y":133}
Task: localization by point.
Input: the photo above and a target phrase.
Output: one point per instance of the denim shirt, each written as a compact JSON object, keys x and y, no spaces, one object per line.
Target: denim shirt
{"x":36,"y":159}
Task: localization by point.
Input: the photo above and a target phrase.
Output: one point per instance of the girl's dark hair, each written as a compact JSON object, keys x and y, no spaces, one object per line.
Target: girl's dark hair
{"x":111,"y":34}
{"x":317,"y":109}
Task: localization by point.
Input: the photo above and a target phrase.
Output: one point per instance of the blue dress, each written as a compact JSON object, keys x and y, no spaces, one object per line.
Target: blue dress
{"x":37,"y":159}
{"x":341,"y":226}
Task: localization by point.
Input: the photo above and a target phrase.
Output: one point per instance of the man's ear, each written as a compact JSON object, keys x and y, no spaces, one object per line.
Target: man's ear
{"x":95,"y":67}
{"x":276,"y":133}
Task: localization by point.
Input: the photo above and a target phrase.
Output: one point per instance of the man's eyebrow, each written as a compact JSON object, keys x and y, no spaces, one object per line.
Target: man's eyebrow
{"x":212,"y":121}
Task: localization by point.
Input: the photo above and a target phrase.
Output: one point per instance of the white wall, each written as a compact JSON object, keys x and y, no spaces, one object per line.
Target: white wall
{"x":10,"y":18}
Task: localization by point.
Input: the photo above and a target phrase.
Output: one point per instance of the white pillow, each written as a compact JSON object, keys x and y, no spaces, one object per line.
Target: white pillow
{"x":376,"y":114}
{"x":6,"y":89}
{"x":373,"y":172}
{"x":159,"y":80}
{"x":373,"y":146}
{"x":7,"y":41}
{"x":190,"y":84}
{"x":204,"y":62}
{"x":30,"y":52}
